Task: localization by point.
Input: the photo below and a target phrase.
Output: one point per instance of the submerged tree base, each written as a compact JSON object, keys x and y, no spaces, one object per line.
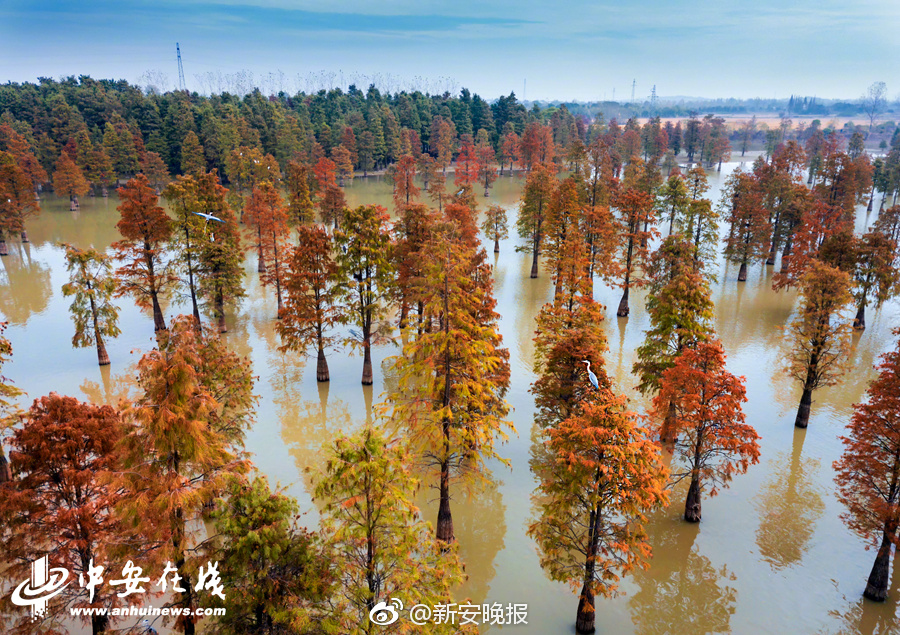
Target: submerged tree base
{"x":322,"y":367}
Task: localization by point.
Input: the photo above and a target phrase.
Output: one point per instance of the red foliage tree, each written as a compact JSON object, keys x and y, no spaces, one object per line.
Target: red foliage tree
{"x":268,"y":216}
{"x":16,"y":199}
{"x":868,"y":472}
{"x":145,"y":229}
{"x":312,"y":288}
{"x":487,"y":172}
{"x":509,"y":150}
{"x":536,"y":145}
{"x":635,"y":214}
{"x":59,"y":504}
{"x":466,"y":163}
{"x":403,"y":174}
{"x":713,"y":439}
{"x":68,"y":180}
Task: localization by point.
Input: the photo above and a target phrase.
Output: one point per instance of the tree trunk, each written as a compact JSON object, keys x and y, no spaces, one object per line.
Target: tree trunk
{"x":159,"y":324}
{"x":584,"y":620}
{"x":322,"y":366}
{"x":367,"y":364}
{"x":102,"y":356}
{"x":692,"y":504}
{"x":802,"y":419}
{"x":871,"y":199}
{"x":187,"y":597}
{"x":190,"y":267}
{"x":742,"y":272}
{"x":623,"y":304}
{"x":496,"y":246}
{"x":4,"y":251}
{"x":785,"y":254}
{"x":444,"y":531}
{"x":25,"y":236}
{"x":99,"y":624}
{"x":534,"y":259}
{"x":5,"y":473}
{"x":772,"y":252}
{"x":877,"y":586}
{"x":220,"y":311}
{"x":668,"y":433}
{"x":859,"y":322}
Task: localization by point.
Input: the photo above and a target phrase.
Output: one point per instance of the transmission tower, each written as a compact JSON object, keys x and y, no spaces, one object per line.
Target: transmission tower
{"x":633,"y":84}
{"x":181,"y":85}
{"x":653,"y":100}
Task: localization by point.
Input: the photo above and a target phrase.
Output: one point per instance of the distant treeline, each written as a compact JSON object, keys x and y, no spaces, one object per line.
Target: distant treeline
{"x":113,"y":129}
{"x":795,"y":106}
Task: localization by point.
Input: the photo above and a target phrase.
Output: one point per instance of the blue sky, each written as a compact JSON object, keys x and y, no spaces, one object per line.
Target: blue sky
{"x":566,"y":50}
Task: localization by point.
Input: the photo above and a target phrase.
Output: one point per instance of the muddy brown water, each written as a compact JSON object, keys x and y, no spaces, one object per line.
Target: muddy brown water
{"x":771,"y":554}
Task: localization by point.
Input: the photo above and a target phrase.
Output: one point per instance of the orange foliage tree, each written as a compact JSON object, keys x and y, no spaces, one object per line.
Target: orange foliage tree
{"x":867,"y":472}
{"x":59,"y":504}
{"x":343,"y":162}
{"x":714,"y":442}
{"x":536,"y":145}
{"x":818,"y":222}
{"x":819,"y":334}
{"x":16,"y":199}
{"x":145,"y":229}
{"x":467,"y":165}
{"x":487,"y":173}
{"x":268,"y":216}
{"x":442,"y":140}
{"x":636,"y":212}
{"x":875,"y":276}
{"x":601,"y":478}
{"x":68,"y":180}
{"x":748,"y":221}
{"x":17,"y":146}
{"x":183,"y":445}
{"x":312,"y":286}
{"x":509,"y":150}
{"x":402,"y":175}
{"x":569,"y":331}
{"x":412,"y":231}
{"x":453,"y":377}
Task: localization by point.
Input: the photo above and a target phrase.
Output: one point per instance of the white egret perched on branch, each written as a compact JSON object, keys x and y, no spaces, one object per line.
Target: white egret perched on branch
{"x":591,"y":376}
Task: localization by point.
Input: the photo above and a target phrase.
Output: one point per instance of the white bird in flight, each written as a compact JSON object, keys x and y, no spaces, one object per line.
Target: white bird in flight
{"x":208,"y":217}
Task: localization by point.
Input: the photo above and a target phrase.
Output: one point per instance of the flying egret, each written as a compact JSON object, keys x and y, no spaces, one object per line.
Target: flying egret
{"x":591,"y":375}
{"x":208,"y":217}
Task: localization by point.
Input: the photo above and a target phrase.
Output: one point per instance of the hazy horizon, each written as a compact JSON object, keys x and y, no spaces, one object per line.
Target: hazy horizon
{"x":580,"y":52}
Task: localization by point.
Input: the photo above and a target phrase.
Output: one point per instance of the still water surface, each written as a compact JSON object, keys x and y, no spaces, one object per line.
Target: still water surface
{"x":770,"y":556}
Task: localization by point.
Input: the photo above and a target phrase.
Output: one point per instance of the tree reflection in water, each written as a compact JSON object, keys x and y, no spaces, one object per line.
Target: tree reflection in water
{"x":789,"y":506}
{"x":682,"y":592}
{"x":25,"y":288}
{"x":479,"y":524}
{"x":865,"y":617}
{"x":112,"y":389}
